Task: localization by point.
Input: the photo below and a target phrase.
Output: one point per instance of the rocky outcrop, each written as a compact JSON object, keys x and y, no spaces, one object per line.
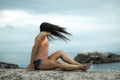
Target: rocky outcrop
{"x":4,"y":65}
{"x":21,"y":74}
{"x":97,"y":57}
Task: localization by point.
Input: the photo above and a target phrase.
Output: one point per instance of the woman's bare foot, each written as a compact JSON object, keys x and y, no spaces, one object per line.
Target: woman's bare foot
{"x":85,"y":67}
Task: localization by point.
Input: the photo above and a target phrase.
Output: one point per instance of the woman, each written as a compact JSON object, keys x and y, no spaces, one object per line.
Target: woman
{"x":39,"y":57}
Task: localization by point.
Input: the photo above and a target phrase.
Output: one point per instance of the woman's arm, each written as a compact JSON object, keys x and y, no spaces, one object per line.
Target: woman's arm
{"x":38,"y":40}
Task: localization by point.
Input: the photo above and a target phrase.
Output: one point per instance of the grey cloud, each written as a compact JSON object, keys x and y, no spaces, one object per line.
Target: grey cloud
{"x":60,"y":6}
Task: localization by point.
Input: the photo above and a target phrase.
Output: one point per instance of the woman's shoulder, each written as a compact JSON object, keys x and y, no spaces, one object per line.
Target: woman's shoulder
{"x":41,"y":35}
{"x":43,"y":32}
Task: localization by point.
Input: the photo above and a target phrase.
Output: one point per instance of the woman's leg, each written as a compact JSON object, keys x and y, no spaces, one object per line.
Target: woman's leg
{"x":51,"y":64}
{"x":63,"y":56}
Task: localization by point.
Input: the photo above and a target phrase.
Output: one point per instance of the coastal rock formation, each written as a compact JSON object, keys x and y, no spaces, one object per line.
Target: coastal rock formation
{"x":21,"y":74}
{"x":4,"y":65}
{"x":97,"y":57}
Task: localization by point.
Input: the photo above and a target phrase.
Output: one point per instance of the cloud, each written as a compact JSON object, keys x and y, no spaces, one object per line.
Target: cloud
{"x":88,"y":31}
{"x":21,"y":18}
{"x":80,"y":7}
{"x":18,"y":18}
{"x":75,"y":23}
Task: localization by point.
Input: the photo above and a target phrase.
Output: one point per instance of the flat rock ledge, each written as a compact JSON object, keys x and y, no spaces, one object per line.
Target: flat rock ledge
{"x":21,"y":74}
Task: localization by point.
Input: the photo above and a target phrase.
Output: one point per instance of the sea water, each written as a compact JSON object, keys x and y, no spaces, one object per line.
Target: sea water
{"x":23,"y":59}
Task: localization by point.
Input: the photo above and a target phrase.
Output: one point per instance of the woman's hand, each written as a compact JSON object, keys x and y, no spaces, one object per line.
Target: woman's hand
{"x":30,"y":68}
{"x":42,"y":36}
{"x":48,"y":33}
{"x":45,"y":33}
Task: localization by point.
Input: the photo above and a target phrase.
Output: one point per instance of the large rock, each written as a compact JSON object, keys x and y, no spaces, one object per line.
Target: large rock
{"x":4,"y":65}
{"x":97,"y":57}
{"x":21,"y":74}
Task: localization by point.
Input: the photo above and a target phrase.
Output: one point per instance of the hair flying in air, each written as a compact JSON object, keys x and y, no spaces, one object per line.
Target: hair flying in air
{"x":55,"y":31}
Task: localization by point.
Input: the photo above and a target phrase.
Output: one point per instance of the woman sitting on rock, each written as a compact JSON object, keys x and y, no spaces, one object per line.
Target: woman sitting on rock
{"x":39,"y":57}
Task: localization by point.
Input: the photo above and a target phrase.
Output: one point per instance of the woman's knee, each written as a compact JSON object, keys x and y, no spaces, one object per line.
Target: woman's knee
{"x":60,"y":52}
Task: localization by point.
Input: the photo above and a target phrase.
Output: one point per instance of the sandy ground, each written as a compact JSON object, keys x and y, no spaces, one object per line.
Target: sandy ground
{"x":21,"y":74}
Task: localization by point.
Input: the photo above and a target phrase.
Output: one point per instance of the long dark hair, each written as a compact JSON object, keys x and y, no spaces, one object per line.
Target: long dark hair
{"x":55,"y":30}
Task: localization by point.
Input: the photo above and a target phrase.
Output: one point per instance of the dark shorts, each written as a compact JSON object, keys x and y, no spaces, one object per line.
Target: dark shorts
{"x":37,"y":64}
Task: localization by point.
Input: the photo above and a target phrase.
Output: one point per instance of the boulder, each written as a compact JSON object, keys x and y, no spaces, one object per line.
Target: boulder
{"x":4,"y":65}
{"x":97,"y":57}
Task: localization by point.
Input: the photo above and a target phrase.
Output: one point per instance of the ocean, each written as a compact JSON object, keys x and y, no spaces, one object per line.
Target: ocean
{"x":23,"y":58}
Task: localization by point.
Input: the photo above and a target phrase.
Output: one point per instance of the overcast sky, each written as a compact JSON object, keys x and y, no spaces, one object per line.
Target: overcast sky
{"x":95,"y":24}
